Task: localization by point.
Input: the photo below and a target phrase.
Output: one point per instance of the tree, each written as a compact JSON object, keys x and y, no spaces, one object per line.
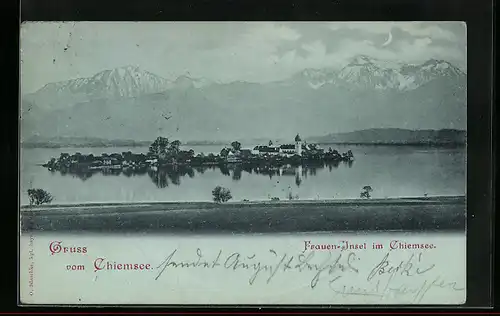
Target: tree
{"x":158,"y":146}
{"x":140,"y":157}
{"x":236,"y":145}
{"x":366,"y":192}
{"x":78,"y":157}
{"x":221,"y":195}
{"x":51,"y":162}
{"x":224,"y":152}
{"x":63,"y":156}
{"x":127,"y":155}
{"x":175,"y":147}
{"x":39,"y":196}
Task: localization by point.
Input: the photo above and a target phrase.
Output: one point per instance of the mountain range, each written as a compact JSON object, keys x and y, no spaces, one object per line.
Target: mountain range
{"x":130,"y":103}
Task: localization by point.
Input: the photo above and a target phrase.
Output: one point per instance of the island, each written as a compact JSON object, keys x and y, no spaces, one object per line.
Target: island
{"x":162,"y":152}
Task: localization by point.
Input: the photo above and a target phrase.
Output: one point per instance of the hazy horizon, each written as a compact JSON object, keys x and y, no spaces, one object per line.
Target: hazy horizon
{"x":219,"y":141}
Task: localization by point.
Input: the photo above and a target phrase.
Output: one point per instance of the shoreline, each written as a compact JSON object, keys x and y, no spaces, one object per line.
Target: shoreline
{"x":331,"y":202}
{"x":402,"y":214}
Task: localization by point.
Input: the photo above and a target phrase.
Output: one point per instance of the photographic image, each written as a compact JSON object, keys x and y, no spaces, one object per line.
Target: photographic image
{"x":164,"y":144}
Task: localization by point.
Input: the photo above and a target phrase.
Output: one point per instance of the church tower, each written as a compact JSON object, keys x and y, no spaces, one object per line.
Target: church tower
{"x":298,"y":145}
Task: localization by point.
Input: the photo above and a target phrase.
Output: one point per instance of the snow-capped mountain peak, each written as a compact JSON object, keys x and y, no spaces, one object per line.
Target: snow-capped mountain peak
{"x":366,"y":72}
{"x":186,"y":81}
{"x":432,"y":69}
{"x":316,"y":77}
{"x":441,"y":67}
{"x":128,"y":81}
{"x":120,"y":72}
{"x":361,"y":60}
{"x":121,"y":82}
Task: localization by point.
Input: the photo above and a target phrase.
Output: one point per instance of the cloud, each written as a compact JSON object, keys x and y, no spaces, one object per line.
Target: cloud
{"x":421,"y":49}
{"x":410,"y":51}
{"x":418,"y":29}
{"x":372,"y":27}
{"x":422,"y":42}
{"x":412,"y":42}
{"x":270,"y":32}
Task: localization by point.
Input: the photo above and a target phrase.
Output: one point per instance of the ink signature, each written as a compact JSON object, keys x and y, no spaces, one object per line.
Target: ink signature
{"x":405,"y":280}
{"x":405,"y":267}
{"x":382,"y":278}
{"x":328,"y":265}
{"x":403,"y":293}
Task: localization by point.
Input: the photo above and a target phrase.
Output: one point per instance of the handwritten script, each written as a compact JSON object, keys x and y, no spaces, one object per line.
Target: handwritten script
{"x":345,"y":274}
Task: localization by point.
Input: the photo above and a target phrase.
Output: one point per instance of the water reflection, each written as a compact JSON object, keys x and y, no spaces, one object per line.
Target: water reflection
{"x":164,"y":176}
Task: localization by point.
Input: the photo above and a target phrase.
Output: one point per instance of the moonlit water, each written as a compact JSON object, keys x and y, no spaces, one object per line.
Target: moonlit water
{"x":390,"y":170}
{"x":53,"y":283}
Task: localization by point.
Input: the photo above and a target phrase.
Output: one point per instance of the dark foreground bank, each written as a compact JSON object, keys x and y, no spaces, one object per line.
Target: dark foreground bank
{"x":426,"y":214}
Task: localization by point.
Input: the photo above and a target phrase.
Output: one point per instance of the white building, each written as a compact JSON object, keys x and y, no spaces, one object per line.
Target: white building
{"x":267,"y":150}
{"x":288,"y":149}
{"x":282,"y":150}
{"x":232,"y":158}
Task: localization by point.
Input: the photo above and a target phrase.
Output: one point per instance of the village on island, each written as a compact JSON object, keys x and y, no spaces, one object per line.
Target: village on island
{"x":164,"y":153}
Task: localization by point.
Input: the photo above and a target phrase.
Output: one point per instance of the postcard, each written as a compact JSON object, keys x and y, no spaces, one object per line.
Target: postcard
{"x":248,"y":163}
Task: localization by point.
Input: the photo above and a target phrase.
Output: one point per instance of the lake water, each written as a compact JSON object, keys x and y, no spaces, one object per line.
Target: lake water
{"x":390,"y":170}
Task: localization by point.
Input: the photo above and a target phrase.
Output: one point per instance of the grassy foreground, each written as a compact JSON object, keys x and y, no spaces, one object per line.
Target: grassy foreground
{"x":403,"y":214}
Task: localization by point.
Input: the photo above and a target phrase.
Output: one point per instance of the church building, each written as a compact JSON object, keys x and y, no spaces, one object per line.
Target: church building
{"x":285,"y":149}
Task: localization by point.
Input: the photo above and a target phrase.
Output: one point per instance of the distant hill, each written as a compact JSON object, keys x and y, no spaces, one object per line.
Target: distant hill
{"x":205,"y":143}
{"x":79,"y":142}
{"x":396,"y":136}
{"x":76,"y":142}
